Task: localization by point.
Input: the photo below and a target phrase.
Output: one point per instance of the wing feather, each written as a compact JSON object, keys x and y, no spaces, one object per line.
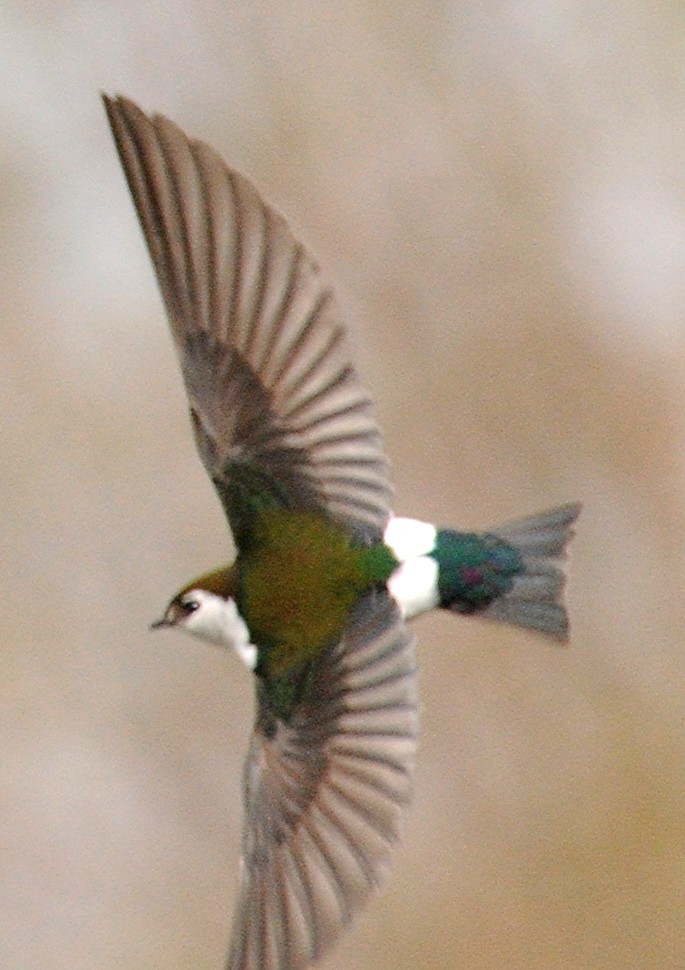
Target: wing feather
{"x":324,"y":795}
{"x":259,"y":334}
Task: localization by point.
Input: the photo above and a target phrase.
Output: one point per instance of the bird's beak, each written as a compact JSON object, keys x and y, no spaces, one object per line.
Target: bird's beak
{"x":163,"y":621}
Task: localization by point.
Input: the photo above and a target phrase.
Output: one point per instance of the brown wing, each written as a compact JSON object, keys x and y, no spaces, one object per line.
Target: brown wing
{"x":324,"y":794}
{"x":278,"y":411}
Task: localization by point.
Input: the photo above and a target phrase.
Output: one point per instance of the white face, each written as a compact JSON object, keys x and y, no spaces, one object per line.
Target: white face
{"x":213,"y":619}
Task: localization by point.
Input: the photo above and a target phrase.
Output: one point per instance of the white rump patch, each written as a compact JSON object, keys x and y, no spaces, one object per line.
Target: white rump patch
{"x":415,"y":585}
{"x":409,"y":538}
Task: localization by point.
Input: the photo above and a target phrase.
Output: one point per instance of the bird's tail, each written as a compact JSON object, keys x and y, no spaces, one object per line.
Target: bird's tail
{"x":518,"y":573}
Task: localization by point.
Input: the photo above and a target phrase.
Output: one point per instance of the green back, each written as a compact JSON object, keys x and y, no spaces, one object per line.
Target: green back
{"x":298,"y":582}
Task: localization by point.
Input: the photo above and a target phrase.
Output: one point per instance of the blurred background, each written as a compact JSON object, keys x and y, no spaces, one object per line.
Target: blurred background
{"x":498,"y":191}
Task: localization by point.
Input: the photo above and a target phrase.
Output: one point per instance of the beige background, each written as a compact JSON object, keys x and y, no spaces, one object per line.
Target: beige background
{"x":499,"y":191}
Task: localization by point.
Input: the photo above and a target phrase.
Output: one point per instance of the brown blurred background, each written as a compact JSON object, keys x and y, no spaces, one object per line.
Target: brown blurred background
{"x":499,"y":191}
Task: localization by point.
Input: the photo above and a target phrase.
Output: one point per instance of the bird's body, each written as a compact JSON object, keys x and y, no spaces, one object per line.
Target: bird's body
{"x":324,"y":577}
{"x":301,"y":577}
{"x":298,"y":584}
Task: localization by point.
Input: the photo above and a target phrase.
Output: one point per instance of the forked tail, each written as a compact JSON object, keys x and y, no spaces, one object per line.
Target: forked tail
{"x":512,"y":574}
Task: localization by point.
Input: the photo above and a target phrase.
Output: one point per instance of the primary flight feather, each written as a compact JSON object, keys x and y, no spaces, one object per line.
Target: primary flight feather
{"x":324,"y":577}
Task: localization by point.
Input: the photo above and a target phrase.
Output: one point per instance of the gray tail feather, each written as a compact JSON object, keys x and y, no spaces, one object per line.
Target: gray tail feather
{"x":536,"y":599}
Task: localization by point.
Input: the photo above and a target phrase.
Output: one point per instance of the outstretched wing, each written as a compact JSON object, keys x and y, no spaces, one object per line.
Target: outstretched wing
{"x":278,"y":411}
{"x":324,"y":794}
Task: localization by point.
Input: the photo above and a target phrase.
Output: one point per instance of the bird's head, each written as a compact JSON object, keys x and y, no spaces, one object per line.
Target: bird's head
{"x":206,"y":608}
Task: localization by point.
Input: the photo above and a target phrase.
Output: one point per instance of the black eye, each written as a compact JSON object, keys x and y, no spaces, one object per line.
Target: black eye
{"x":189,"y":606}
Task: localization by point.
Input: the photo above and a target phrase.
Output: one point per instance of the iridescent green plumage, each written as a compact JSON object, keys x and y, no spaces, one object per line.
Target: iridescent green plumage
{"x":473,"y":569}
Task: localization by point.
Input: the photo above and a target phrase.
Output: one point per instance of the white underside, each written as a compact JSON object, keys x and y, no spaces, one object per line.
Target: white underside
{"x":415,"y":584}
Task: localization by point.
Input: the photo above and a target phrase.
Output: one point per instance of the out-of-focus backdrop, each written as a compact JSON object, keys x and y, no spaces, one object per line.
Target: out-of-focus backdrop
{"x":499,"y":192}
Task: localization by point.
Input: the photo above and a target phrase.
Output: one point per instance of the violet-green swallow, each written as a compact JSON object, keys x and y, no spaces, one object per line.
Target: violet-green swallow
{"x":324,"y":576}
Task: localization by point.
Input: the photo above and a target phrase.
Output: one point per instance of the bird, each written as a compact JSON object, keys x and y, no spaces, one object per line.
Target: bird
{"x":325,"y":578}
